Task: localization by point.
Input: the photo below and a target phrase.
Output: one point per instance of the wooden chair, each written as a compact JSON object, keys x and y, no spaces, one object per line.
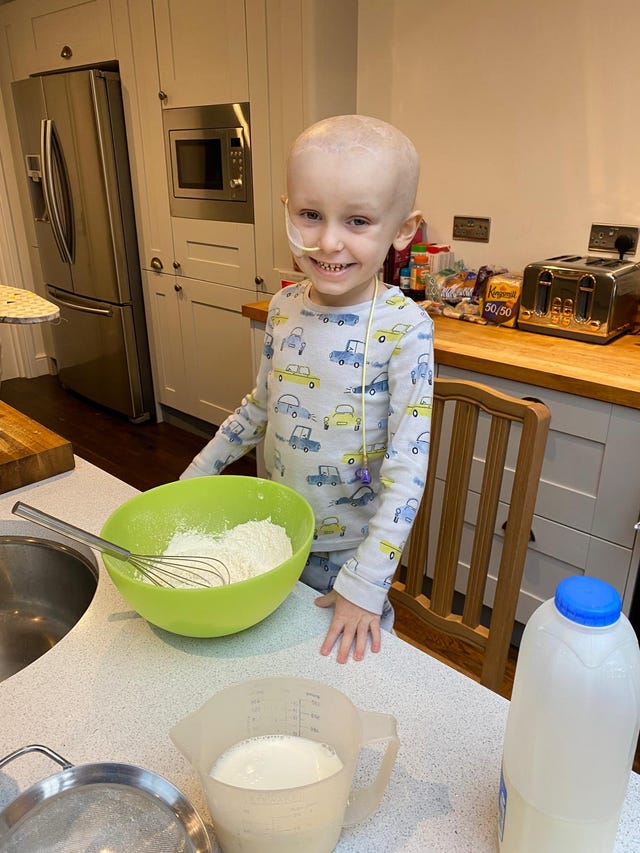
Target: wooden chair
{"x":468,"y":461}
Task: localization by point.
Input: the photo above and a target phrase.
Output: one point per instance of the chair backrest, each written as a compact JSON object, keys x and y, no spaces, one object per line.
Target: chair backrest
{"x":481,"y":468}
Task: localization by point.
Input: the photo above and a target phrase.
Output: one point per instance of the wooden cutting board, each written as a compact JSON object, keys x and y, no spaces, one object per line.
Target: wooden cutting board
{"x":29,"y":452}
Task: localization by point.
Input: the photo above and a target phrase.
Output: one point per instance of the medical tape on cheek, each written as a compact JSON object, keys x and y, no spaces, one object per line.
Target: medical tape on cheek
{"x":294,"y":237}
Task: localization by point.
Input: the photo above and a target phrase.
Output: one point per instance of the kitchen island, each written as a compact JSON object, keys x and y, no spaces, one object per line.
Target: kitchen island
{"x":114,"y":686}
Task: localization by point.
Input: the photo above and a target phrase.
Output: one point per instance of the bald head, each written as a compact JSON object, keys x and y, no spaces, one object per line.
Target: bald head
{"x":368,"y":137}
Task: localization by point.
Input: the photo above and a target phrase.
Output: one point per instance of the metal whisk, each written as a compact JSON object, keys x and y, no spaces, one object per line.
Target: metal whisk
{"x":169,"y":571}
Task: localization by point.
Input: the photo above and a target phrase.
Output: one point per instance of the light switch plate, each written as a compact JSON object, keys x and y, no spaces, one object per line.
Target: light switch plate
{"x":602,"y":238}
{"x":474,"y":228}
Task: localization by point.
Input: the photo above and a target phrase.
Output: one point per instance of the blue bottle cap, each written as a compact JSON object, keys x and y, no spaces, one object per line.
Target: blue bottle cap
{"x":588,"y":601}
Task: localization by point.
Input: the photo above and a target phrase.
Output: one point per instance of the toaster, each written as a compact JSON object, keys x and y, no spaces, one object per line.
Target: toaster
{"x":590,"y":299}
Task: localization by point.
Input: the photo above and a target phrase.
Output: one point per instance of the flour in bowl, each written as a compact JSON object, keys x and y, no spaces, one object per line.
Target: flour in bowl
{"x":247,"y":550}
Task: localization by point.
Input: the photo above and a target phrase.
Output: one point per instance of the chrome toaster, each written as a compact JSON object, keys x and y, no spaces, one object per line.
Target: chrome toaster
{"x":586,"y":298}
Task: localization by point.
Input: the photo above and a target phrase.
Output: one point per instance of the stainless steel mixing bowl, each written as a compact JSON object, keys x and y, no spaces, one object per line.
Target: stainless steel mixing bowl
{"x":45,"y":587}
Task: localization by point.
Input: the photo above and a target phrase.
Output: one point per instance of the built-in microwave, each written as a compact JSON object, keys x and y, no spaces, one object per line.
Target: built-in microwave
{"x":208,"y":152}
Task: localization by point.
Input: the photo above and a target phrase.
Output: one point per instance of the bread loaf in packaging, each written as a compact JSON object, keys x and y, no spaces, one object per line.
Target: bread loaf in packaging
{"x":501,"y":299}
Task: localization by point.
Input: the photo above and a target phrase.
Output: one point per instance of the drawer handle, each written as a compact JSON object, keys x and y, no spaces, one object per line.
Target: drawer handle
{"x":66,"y":52}
{"x":532,"y":536}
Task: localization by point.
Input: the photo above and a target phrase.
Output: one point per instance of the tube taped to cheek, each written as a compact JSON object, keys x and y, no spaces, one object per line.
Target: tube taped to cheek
{"x":294,"y":237}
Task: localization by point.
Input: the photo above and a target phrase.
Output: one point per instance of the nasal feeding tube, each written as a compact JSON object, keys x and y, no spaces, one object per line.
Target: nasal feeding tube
{"x":294,"y":237}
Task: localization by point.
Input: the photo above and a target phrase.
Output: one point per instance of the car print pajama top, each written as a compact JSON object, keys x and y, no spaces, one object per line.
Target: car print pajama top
{"x":307,"y":406}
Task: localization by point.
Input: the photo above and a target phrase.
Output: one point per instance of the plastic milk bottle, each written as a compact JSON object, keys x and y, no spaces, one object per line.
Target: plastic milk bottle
{"x":572,"y":727}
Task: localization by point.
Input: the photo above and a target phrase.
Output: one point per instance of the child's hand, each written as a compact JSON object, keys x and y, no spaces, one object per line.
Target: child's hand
{"x":352,"y":622}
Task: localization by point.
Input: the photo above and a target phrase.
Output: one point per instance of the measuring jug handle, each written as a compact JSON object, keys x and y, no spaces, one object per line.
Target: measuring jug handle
{"x":363,"y":801}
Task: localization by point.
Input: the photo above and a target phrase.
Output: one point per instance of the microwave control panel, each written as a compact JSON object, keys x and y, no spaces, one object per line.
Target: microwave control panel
{"x":236,"y":162}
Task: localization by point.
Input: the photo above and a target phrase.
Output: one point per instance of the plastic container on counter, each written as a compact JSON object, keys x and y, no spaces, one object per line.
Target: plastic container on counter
{"x":572,"y":726}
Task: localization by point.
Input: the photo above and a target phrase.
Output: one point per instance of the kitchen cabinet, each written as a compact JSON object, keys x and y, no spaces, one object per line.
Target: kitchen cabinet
{"x":589,"y":494}
{"x":200,"y":344}
{"x":47,"y":35}
{"x":202,"y":51}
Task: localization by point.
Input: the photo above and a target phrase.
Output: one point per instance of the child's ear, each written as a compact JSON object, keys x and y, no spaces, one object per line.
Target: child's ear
{"x":407,"y":230}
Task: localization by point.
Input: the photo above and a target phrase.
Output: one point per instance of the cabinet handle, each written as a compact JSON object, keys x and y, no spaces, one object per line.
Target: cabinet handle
{"x":66,"y":52}
{"x":156,"y":264}
{"x":177,"y":288}
{"x":532,"y":537}
{"x":162,"y":95}
{"x":176,"y":265}
{"x":259,"y":281}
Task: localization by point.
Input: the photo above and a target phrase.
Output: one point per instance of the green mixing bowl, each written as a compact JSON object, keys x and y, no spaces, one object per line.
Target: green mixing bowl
{"x":211,"y":505}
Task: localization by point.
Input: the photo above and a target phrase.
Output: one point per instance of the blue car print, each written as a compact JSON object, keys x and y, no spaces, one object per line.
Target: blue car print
{"x":421,"y":444}
{"x":340,"y":319}
{"x":232,"y":432}
{"x":361,"y":497}
{"x":380,"y":383}
{"x":289,"y":404}
{"x":407,"y":512}
{"x":422,"y":369}
{"x":294,"y":340}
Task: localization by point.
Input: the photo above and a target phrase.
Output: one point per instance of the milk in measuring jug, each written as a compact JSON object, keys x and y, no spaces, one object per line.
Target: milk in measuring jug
{"x":273,"y":762}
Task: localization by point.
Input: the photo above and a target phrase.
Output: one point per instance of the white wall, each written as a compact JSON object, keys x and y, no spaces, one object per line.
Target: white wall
{"x":522,"y":110}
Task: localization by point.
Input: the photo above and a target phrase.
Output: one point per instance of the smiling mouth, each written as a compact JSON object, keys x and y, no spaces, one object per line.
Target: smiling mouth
{"x":330,"y":267}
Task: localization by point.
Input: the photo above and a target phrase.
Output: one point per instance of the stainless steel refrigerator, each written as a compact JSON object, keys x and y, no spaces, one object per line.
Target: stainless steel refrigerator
{"x":74,"y":146}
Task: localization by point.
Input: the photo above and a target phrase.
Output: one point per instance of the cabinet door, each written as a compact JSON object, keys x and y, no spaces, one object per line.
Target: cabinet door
{"x":219,"y":252}
{"x":47,"y":35}
{"x":202,"y":51}
{"x":217,"y":348}
{"x":163,"y":309}
{"x":136,"y":48}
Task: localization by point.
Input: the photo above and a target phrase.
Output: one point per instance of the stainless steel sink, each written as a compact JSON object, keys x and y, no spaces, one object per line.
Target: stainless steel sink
{"x":45,"y":587}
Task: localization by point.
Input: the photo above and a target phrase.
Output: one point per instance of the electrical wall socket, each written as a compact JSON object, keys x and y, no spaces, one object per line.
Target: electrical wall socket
{"x":603,"y":237}
{"x":474,"y":228}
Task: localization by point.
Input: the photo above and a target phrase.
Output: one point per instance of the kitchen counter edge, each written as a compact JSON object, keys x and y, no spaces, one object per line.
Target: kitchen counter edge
{"x":609,"y":372}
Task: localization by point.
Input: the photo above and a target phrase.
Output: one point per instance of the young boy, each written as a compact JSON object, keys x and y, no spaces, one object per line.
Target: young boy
{"x":344,"y":390}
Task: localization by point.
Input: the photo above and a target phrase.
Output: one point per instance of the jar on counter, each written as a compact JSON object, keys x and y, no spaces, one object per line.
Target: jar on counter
{"x":419,"y":271}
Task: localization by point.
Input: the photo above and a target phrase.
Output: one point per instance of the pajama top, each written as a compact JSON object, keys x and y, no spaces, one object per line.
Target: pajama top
{"x":307,"y":406}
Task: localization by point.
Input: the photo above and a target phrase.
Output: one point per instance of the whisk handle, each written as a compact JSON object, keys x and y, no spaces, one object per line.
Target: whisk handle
{"x":59,"y":526}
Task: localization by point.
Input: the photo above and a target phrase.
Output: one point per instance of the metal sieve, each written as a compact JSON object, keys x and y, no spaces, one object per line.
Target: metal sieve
{"x":105,"y":806}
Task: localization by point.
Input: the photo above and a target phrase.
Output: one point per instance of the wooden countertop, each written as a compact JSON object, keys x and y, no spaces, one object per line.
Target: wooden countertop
{"x":608,"y":372}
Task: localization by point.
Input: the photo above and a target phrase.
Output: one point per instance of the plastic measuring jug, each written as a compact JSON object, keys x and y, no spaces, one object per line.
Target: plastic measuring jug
{"x":308,"y":818}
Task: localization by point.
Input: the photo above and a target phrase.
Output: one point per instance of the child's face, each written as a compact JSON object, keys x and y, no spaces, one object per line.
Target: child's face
{"x":346,"y":205}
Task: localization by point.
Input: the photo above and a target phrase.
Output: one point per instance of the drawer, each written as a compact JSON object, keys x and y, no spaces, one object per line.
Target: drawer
{"x":590,"y":481}
{"x":576,"y":416}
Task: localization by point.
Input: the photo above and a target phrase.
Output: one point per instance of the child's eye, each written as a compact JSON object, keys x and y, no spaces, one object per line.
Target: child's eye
{"x":311,"y":215}
{"x":358,"y":221}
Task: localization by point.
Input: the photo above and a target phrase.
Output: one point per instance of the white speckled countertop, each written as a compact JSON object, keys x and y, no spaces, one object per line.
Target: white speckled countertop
{"x":115,"y":685}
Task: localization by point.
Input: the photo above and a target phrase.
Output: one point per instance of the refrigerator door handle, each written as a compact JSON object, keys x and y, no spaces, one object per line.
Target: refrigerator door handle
{"x":75,"y":306}
{"x":50,"y":149}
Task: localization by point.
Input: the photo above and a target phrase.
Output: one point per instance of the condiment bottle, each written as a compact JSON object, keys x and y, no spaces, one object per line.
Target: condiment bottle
{"x":572,"y":726}
{"x":418,"y":266}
